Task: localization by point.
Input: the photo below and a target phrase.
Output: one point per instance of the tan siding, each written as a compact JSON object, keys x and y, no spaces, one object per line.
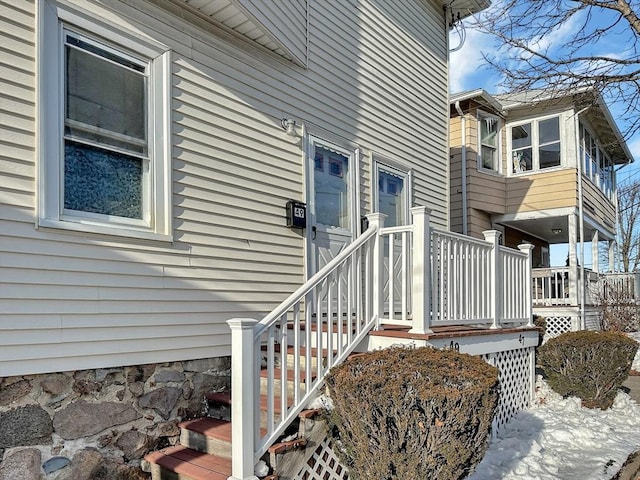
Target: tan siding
{"x":542,"y":191}
{"x":597,"y":205}
{"x":376,"y":79}
{"x":455,"y":165}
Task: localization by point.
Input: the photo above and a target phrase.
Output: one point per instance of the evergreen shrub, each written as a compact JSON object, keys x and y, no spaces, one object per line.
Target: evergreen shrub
{"x":590,"y":365}
{"x":405,"y":413}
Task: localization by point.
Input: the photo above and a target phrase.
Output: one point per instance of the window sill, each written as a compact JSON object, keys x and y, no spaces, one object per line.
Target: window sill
{"x":488,"y":171}
{"x":110,"y":230}
{"x":538,"y":171}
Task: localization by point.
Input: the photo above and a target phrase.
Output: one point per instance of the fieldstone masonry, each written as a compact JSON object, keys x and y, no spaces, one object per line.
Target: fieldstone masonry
{"x":98,"y":424}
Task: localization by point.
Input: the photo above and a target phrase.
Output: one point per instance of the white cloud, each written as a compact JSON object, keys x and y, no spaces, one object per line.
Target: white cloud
{"x":465,"y":63}
{"x":559,"y":36}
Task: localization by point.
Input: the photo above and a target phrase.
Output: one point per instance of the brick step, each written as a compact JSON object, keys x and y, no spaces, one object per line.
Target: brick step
{"x":182,"y":463}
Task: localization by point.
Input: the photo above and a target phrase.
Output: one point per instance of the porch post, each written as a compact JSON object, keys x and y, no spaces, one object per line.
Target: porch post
{"x":243,"y":378}
{"x":595,"y":252}
{"x":376,"y":220}
{"x":573,"y":261}
{"x":612,"y":256}
{"x":528,"y":282}
{"x":495,"y":276}
{"x":421,"y":271}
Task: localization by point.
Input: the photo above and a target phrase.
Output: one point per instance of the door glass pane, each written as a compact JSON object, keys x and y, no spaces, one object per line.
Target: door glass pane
{"x":331,"y":185}
{"x":391,"y":198}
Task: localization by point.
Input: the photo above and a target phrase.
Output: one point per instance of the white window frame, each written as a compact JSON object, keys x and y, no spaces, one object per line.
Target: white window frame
{"x":156,"y":223}
{"x":481,"y":168}
{"x":383,"y":164}
{"x":535,"y":145}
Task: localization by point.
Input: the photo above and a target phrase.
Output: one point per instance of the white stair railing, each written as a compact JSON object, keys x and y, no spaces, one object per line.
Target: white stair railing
{"x":321,"y":324}
{"x":451,"y":280}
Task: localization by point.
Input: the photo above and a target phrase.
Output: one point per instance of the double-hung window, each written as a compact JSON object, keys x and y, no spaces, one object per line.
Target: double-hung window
{"x":104,"y":154}
{"x":535,"y":145}
{"x":488,"y":142}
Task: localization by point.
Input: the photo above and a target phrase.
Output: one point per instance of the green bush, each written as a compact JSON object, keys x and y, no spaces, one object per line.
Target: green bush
{"x":590,"y":365}
{"x":406,"y":413}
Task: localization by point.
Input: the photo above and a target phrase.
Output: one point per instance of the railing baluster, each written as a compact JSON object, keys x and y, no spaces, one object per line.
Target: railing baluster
{"x":270,"y":377}
{"x":296,"y":353}
{"x":404,"y":263}
{"x":284,"y":366}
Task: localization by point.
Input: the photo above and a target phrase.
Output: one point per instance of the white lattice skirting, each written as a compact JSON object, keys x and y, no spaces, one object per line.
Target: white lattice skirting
{"x":557,"y":326}
{"x":516,"y":374}
{"x":323,"y":465}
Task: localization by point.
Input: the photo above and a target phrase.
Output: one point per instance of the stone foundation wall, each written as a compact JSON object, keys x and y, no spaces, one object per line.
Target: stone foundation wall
{"x":98,"y":424}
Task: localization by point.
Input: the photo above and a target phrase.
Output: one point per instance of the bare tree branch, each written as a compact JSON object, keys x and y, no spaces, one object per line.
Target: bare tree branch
{"x":559,"y":45}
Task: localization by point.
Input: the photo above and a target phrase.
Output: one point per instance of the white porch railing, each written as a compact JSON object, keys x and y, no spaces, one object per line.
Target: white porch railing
{"x":556,"y":286}
{"x":624,"y":286}
{"x":412,"y":275}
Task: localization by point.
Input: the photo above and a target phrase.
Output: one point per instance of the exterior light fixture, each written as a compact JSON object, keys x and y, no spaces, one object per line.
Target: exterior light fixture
{"x":556,"y":231}
{"x":289,"y":126}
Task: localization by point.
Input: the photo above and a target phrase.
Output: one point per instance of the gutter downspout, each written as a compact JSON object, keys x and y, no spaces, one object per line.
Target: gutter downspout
{"x":463,"y":160}
{"x":581,"y":281}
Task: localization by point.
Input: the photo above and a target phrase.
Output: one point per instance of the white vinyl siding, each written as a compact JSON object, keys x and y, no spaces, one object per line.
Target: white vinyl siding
{"x":287,"y":22}
{"x":376,"y":79}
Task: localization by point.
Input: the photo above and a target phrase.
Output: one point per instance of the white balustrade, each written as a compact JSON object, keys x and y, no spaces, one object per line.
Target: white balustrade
{"x":411,"y":275}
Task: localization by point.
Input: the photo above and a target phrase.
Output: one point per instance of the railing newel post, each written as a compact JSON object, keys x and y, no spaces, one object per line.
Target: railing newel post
{"x":243,"y":400}
{"x":376,"y":220}
{"x":495,"y":276}
{"x":528,"y":249}
{"x":421,"y":271}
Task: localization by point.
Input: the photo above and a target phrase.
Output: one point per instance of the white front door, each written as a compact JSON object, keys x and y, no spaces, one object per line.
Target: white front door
{"x":332,"y":201}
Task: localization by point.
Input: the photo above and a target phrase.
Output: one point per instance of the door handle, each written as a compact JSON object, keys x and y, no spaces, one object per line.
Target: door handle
{"x":314,"y":230}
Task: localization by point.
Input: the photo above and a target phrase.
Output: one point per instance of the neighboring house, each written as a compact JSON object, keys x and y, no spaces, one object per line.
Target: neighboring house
{"x":541,"y":168}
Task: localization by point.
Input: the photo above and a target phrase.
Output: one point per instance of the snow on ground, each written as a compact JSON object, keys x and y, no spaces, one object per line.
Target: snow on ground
{"x":557,"y":439}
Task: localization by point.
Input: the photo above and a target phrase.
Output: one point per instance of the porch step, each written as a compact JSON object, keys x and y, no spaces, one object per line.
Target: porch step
{"x":182,"y":463}
{"x":290,"y":355}
{"x":291,"y":381}
{"x":207,"y":435}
